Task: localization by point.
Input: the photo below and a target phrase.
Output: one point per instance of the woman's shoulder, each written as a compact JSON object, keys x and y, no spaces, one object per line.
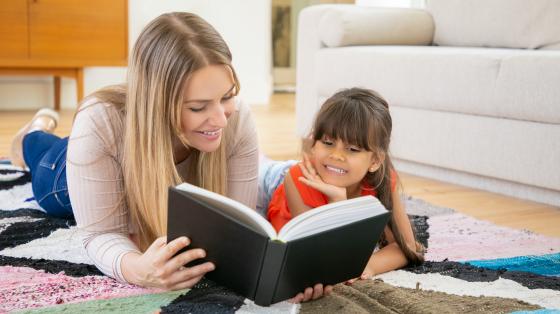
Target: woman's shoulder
{"x":97,"y":124}
{"x":241,"y":131}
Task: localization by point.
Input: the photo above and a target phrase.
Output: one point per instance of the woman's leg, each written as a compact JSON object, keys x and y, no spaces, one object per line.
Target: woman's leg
{"x":271,"y":175}
{"x":45,"y":155}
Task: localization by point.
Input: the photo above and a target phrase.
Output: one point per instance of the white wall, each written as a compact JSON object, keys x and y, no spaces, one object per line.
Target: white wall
{"x":392,"y":3}
{"x":244,"y":24}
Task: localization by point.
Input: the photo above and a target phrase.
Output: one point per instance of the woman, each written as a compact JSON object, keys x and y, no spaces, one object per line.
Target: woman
{"x":167,"y":125}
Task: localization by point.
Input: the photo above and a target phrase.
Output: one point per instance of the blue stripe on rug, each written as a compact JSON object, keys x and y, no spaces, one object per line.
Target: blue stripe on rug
{"x":546,"y":265}
{"x":544,"y":311}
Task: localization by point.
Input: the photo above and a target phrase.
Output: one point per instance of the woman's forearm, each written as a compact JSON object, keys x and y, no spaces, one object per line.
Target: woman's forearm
{"x":127,"y":267}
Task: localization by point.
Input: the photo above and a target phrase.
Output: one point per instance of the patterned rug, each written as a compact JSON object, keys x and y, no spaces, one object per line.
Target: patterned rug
{"x":472,"y":266}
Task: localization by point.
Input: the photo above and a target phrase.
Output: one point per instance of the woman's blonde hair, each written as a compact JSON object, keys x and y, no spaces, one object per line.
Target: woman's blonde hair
{"x":168,"y":51}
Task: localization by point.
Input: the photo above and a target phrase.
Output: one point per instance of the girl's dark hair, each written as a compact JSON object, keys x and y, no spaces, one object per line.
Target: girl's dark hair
{"x":361,"y":117}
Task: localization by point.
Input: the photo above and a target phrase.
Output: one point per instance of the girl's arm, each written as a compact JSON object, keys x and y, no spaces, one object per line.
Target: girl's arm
{"x":391,"y":257}
{"x":295,"y":202}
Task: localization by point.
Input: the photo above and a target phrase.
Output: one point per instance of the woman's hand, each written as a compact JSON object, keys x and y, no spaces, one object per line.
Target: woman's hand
{"x":311,"y":178}
{"x":158,"y":268}
{"x":312,"y":293}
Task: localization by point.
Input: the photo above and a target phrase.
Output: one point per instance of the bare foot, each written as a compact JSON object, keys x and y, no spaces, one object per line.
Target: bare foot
{"x":44,"y":120}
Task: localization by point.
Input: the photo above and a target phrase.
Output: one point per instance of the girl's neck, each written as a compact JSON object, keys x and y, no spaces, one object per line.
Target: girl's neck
{"x":354,"y":190}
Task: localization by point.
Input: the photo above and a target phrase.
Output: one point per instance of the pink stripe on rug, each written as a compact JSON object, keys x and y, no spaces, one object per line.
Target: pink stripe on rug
{"x":23,"y":287}
{"x":461,"y":238}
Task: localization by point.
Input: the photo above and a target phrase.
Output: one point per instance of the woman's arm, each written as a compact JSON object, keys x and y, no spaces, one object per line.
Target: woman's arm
{"x":96,"y":191}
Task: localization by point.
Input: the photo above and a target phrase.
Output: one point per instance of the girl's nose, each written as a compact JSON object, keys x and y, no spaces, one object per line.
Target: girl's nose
{"x":337,"y":154}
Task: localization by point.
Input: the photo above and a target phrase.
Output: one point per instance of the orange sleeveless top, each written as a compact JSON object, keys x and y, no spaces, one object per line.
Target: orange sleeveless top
{"x":279,"y":212}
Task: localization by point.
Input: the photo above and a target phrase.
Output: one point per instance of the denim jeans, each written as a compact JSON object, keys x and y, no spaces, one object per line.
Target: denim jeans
{"x":271,"y":175}
{"x":45,"y":155}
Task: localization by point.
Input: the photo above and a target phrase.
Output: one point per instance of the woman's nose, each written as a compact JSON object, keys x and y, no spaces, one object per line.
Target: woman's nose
{"x":219,"y":116}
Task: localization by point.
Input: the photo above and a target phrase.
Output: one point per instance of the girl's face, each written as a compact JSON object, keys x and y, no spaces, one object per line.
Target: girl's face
{"x":341,"y":164}
{"x":208,"y":103}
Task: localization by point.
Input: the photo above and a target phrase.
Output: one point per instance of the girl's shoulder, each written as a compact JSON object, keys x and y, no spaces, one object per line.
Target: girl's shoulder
{"x":310,"y":196}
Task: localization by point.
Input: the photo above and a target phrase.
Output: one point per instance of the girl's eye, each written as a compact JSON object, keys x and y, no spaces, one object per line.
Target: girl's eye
{"x":354,"y":149}
{"x":327,"y":142}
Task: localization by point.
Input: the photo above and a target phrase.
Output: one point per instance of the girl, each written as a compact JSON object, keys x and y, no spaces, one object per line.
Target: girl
{"x":168,"y":124}
{"x":349,"y":158}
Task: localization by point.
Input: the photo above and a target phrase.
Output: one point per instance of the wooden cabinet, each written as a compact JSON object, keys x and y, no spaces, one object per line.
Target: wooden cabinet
{"x":61,"y":37}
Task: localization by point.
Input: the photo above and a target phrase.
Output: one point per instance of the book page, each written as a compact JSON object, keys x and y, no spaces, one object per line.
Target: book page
{"x":232,"y":208}
{"x":331,"y":216}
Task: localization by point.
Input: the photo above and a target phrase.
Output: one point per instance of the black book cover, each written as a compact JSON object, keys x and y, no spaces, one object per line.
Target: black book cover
{"x":265,"y":270}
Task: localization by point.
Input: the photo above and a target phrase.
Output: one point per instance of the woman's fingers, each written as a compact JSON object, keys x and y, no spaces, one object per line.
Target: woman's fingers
{"x":166,"y":252}
{"x":186,"y":284}
{"x":187,"y":274}
{"x":157,"y":244}
{"x":183,"y":259}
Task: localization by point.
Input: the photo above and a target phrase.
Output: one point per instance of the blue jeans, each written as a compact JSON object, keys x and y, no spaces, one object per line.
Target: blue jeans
{"x":271,"y":175}
{"x":45,"y":155}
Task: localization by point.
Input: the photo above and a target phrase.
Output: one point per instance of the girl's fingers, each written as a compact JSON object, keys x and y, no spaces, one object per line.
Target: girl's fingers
{"x":317,"y":291}
{"x":327,"y":290}
{"x":304,"y":171}
{"x":307,"y":294}
{"x":297,"y":298}
{"x":310,"y":183}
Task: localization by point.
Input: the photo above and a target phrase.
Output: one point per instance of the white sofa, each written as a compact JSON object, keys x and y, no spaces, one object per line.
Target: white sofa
{"x":473,"y":85}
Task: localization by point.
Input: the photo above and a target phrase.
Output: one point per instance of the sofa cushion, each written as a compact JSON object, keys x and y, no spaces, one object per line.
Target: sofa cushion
{"x":353,"y":25}
{"x":496,"y":23}
{"x":503,"y":83}
{"x":516,"y":151}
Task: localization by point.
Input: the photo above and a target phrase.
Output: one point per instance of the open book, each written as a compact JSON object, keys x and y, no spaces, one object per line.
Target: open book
{"x":328,"y":244}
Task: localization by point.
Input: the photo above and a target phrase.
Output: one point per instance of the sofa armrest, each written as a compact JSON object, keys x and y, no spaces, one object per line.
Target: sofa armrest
{"x":349,"y":25}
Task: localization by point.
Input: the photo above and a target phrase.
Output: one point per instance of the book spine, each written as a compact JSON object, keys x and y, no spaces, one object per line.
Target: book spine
{"x":270,"y":272}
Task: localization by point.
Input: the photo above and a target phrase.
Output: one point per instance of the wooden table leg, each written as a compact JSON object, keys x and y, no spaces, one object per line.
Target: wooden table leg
{"x":57,"y":93}
{"x":80,"y":84}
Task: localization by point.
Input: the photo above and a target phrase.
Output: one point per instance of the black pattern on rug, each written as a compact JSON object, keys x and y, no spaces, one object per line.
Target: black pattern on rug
{"x":24,"y":232}
{"x":21,"y":180}
{"x":472,"y":273}
{"x":420,"y":225}
{"x":206,"y":297}
{"x":51,"y":266}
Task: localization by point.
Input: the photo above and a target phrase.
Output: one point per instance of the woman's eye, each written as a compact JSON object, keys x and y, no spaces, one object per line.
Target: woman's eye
{"x":197,"y":109}
{"x":226,"y":98}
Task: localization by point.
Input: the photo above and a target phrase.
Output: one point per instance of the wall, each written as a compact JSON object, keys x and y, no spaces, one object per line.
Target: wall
{"x":247,"y":34}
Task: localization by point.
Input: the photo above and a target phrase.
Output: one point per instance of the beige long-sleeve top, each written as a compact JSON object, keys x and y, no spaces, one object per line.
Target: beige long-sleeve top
{"x":95,"y":179}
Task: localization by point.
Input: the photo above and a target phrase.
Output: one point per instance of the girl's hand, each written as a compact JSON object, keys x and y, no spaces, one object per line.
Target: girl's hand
{"x":311,"y":178}
{"x":367,"y":274}
{"x":158,"y":268}
{"x":312,"y":293}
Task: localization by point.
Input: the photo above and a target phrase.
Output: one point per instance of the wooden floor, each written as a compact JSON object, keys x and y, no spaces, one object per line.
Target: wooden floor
{"x":278,"y":140}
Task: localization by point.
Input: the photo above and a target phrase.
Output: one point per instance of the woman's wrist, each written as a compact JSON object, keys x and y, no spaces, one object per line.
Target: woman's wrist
{"x":128,"y":262}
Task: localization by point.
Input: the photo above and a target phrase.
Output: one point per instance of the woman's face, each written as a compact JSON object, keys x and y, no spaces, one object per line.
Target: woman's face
{"x":208,"y":102}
